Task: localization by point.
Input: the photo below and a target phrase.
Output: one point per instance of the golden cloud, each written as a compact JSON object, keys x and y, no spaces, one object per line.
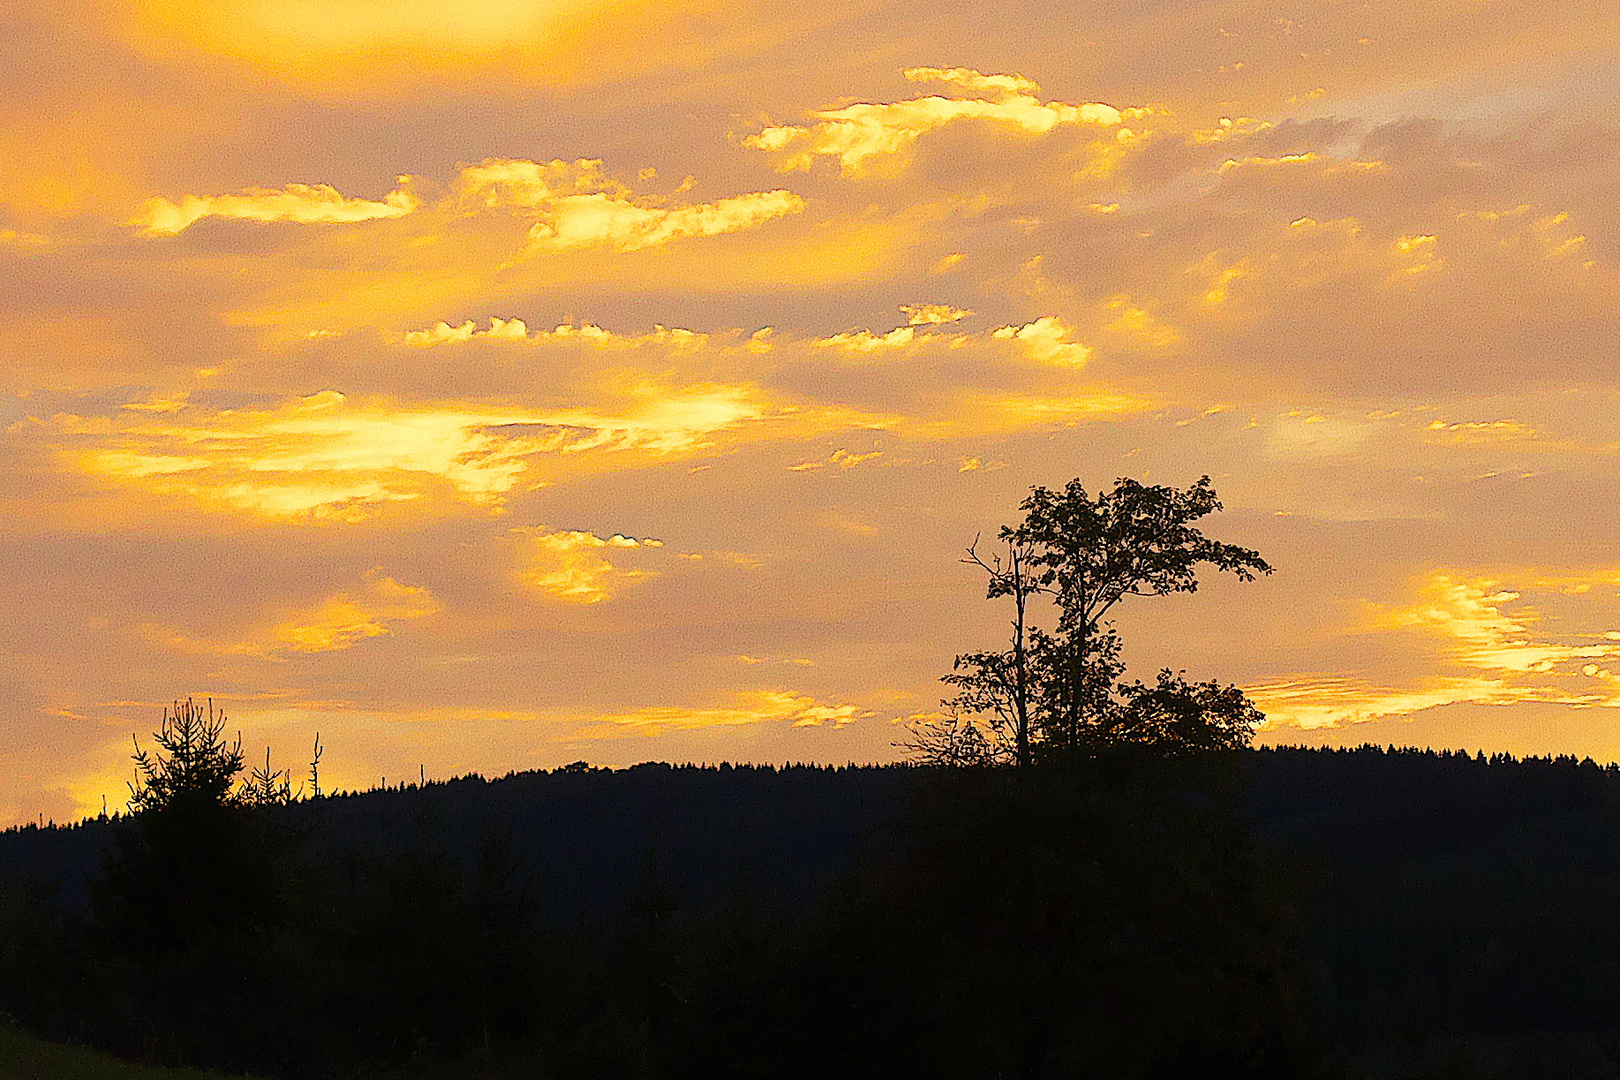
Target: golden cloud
{"x":1304,"y":254}
{"x":748,"y":708}
{"x":302,"y":203}
{"x":968,"y":79}
{"x":1470,"y":611}
{"x":1139,"y":326}
{"x":328,"y":456}
{"x":1467,"y":616}
{"x":573,"y":567}
{"x":571,"y":205}
{"x":584,"y":220}
{"x":1481,"y":432}
{"x":577,"y":205}
{"x":441,"y":332}
{"x":840,"y":459}
{"x":933,"y":314}
{"x":1047,"y":340}
{"x":336,"y":622}
{"x":864,"y":341}
{"x":1024,"y":376}
{"x":344,"y":619}
{"x":320,"y":454}
{"x":25,"y":241}
{"x":859,"y":133}
{"x":609,"y":401}
{"x":1310,"y":703}
{"x":1551,"y":236}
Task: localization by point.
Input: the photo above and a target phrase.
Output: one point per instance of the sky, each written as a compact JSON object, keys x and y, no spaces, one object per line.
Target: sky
{"x":492,"y":384}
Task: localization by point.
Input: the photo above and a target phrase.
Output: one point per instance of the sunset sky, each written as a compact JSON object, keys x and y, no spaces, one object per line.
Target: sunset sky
{"x":491,"y":384}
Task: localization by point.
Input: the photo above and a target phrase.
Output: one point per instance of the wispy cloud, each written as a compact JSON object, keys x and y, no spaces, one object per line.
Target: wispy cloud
{"x":1471,"y":626}
{"x":333,"y":623}
{"x":574,"y":205}
{"x":858,"y":134}
{"x":302,"y":203}
{"x":569,"y":205}
{"x":328,"y":456}
{"x":749,"y":708}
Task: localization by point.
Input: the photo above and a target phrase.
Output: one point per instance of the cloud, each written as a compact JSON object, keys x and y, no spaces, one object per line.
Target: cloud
{"x":920,"y":378}
{"x":840,"y":459}
{"x":576,"y":205}
{"x":328,"y":456}
{"x":439,"y":333}
{"x":344,"y":619}
{"x":1481,"y":432}
{"x":586,"y":334}
{"x":1139,"y":326}
{"x":1468,"y":620}
{"x":968,"y":79}
{"x":26,"y":241}
{"x":571,"y":205}
{"x":573,"y":567}
{"x":864,"y":341}
{"x":322,"y":454}
{"x":302,"y":203}
{"x":619,"y":223}
{"x":606,"y":401}
{"x":1309,"y":703}
{"x":748,"y":708}
{"x":336,"y":622}
{"x":408,"y":49}
{"x":933,"y":314}
{"x":1047,"y":340}
{"x":1471,"y":612}
{"x":843,"y":520}
{"x":1303,"y":435}
{"x":859,"y":133}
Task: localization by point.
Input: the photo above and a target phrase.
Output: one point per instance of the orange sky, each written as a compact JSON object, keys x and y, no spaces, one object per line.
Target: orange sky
{"x":494,"y":384}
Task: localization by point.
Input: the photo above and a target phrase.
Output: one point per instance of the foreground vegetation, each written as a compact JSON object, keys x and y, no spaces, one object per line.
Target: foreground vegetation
{"x":1079,"y":909}
{"x":1267,"y":913}
{"x":23,"y":1057}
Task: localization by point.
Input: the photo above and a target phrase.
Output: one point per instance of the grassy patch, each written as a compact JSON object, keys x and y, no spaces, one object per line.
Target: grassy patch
{"x":23,"y":1057}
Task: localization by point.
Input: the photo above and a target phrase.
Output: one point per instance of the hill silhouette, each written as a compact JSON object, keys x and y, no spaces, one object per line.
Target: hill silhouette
{"x":1393,"y":913}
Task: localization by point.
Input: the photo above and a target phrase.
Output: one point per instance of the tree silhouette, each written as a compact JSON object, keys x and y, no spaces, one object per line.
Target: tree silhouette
{"x":188,"y":867}
{"x":1179,"y":717}
{"x":1059,"y":690}
{"x":1000,"y":684}
{"x":195,"y":767}
{"x":267,"y":786}
{"x":955,"y":739}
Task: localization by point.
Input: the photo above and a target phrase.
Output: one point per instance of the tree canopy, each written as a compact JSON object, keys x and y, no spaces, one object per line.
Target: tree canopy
{"x":1059,"y":690}
{"x":194,"y":763}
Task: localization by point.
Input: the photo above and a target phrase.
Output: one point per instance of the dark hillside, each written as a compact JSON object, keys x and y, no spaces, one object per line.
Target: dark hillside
{"x":1457,"y":916}
{"x":586,"y":836}
{"x":581,"y":836}
{"x":1458,"y":898}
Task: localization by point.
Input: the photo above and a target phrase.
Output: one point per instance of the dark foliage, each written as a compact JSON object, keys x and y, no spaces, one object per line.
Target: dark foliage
{"x":1118,"y":916}
{"x":1464,"y":912}
{"x":194,"y":769}
{"x":1055,"y":693}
